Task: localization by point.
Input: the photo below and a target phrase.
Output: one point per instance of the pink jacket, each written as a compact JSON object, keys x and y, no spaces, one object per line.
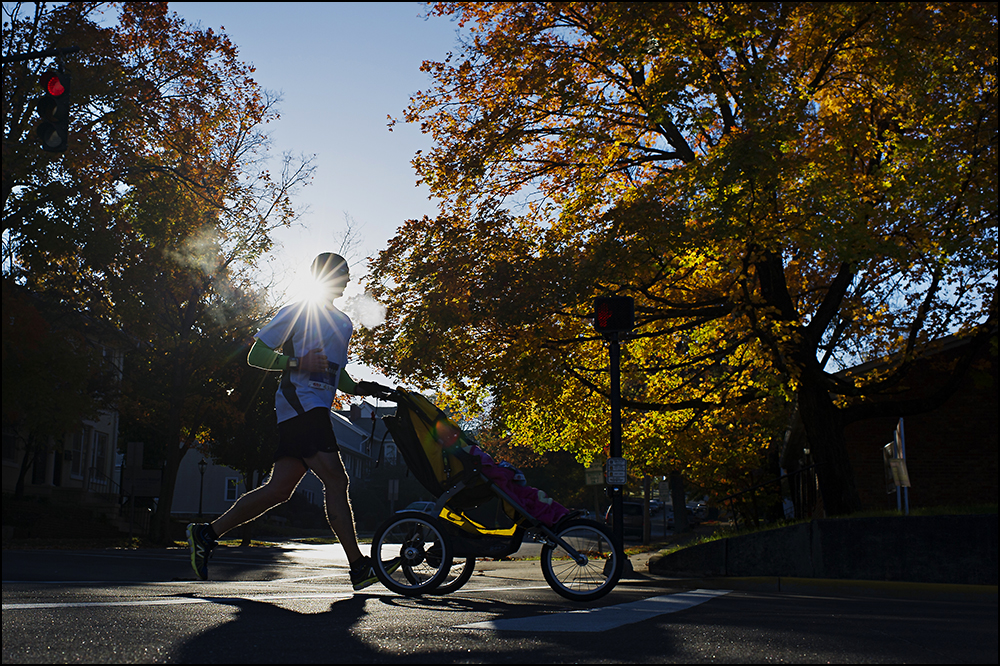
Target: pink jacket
{"x":538,"y":504}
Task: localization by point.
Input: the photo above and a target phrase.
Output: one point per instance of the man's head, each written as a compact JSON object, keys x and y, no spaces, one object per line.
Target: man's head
{"x":331,"y":271}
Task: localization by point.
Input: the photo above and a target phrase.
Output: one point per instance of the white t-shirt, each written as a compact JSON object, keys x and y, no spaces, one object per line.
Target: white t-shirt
{"x":299,"y":328}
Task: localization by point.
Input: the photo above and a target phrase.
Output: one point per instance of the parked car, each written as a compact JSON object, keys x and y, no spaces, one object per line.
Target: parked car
{"x":692,"y":515}
{"x":631,"y":516}
{"x":426,"y":507}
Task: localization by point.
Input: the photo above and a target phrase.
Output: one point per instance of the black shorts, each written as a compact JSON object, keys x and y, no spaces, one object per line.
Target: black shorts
{"x":305,"y":435}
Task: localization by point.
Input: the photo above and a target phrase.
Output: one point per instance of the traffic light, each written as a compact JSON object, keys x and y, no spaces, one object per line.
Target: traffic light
{"x":614,"y":314}
{"x":53,"y":109}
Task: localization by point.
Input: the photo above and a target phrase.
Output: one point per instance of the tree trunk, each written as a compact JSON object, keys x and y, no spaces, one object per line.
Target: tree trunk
{"x":174,"y":452}
{"x":647,"y":485}
{"x":825,"y":434}
{"x":26,"y":461}
{"x":678,"y":498}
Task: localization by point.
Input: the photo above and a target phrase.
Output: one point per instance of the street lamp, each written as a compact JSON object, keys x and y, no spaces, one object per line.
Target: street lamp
{"x":201,"y":491}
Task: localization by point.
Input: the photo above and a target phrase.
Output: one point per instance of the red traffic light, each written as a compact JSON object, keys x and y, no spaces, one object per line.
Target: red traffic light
{"x":54,"y":111}
{"x":614,"y":314}
{"x":52,"y":83}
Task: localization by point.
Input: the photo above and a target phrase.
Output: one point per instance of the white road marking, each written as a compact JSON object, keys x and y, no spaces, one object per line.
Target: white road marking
{"x":601,"y":619}
{"x":173,"y":601}
{"x":169,"y":601}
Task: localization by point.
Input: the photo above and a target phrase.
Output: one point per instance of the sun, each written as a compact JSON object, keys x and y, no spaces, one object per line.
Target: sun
{"x":312,"y":292}
{"x":315,"y":293}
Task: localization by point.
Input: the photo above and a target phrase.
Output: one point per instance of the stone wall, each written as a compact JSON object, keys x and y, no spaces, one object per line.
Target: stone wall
{"x":927,"y":549}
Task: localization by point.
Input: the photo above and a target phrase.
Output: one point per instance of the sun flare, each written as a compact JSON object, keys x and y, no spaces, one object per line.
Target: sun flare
{"x":313,"y":292}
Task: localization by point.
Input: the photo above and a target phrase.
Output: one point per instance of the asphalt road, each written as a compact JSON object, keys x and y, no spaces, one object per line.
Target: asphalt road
{"x":294,"y":604}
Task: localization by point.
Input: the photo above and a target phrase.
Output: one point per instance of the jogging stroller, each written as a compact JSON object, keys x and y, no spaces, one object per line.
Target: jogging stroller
{"x":579,"y":558}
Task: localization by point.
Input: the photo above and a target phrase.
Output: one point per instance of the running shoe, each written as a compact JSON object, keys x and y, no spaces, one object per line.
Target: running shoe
{"x":363,"y":573}
{"x":201,"y":548}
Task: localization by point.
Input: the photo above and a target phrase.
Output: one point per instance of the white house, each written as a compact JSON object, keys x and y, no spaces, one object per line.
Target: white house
{"x":82,"y":461}
{"x":221,"y":486}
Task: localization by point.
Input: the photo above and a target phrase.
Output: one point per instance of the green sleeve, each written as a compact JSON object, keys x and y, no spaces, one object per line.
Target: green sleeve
{"x":346,"y":384}
{"x":262,"y":356}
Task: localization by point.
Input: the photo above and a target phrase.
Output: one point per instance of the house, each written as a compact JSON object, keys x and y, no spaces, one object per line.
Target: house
{"x":951,"y":451}
{"x":211,"y":495}
{"x":77,"y":465}
{"x":362,"y":417}
{"x":80,"y":462}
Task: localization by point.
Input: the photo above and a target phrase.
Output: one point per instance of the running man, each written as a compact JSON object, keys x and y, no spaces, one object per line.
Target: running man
{"x":313,"y":338}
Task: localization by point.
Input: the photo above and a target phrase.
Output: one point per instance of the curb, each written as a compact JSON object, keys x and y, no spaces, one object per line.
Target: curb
{"x":829,"y":586}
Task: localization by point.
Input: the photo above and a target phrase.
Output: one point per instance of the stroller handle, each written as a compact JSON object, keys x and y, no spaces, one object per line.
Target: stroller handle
{"x":377,"y":390}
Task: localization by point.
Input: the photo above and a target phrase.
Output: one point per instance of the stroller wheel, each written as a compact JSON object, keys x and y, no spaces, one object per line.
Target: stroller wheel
{"x":453,"y":581}
{"x":588,"y":577}
{"x":425,"y":557}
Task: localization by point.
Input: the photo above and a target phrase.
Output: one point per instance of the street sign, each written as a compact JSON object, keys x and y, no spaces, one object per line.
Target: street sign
{"x":594,"y":475}
{"x":616,"y":472}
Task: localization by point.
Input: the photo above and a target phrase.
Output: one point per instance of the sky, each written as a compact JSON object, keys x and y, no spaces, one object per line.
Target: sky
{"x":341,"y":69}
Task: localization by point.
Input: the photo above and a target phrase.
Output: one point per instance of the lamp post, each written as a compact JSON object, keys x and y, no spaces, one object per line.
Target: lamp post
{"x":201,"y":491}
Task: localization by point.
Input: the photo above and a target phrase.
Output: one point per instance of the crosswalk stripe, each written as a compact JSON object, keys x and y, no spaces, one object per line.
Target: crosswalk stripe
{"x":601,"y":619}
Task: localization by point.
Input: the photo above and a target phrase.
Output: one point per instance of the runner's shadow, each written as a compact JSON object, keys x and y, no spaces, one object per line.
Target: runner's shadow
{"x":264,"y":632}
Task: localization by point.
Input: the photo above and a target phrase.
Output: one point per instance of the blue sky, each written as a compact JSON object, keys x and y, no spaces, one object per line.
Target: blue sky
{"x":341,"y":69}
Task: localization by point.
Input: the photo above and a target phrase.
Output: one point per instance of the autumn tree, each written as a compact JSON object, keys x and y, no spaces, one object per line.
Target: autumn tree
{"x":55,"y":373}
{"x":786,"y":189}
{"x":157,"y":214}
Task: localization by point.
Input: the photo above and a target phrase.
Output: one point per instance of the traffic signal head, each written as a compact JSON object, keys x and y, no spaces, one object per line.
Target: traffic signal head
{"x":614,"y":314}
{"x":53,"y":110}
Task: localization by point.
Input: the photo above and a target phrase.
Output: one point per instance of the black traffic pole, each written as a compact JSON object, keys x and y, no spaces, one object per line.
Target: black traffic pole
{"x":614,"y":316}
{"x":616,"y":435}
{"x":39,"y":55}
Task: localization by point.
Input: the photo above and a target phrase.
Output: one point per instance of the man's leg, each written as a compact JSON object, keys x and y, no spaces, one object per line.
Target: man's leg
{"x":279,"y":488}
{"x":280,"y":485}
{"x":330,"y":469}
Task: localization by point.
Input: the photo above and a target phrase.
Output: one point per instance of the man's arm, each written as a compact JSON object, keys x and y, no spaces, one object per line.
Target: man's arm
{"x":346,"y":384}
{"x":262,"y":356}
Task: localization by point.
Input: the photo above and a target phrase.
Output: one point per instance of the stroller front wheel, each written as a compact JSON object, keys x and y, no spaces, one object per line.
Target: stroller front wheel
{"x":588,"y":577}
{"x":422,"y":548}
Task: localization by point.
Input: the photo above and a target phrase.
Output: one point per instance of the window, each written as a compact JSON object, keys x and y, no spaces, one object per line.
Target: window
{"x":80,"y":440}
{"x":99,"y":457}
{"x":232,"y":488}
{"x":9,"y":444}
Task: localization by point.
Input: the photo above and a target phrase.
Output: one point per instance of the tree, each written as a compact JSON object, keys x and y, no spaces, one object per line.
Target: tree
{"x":156,"y":216}
{"x":787,"y":190}
{"x":54,"y":372}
